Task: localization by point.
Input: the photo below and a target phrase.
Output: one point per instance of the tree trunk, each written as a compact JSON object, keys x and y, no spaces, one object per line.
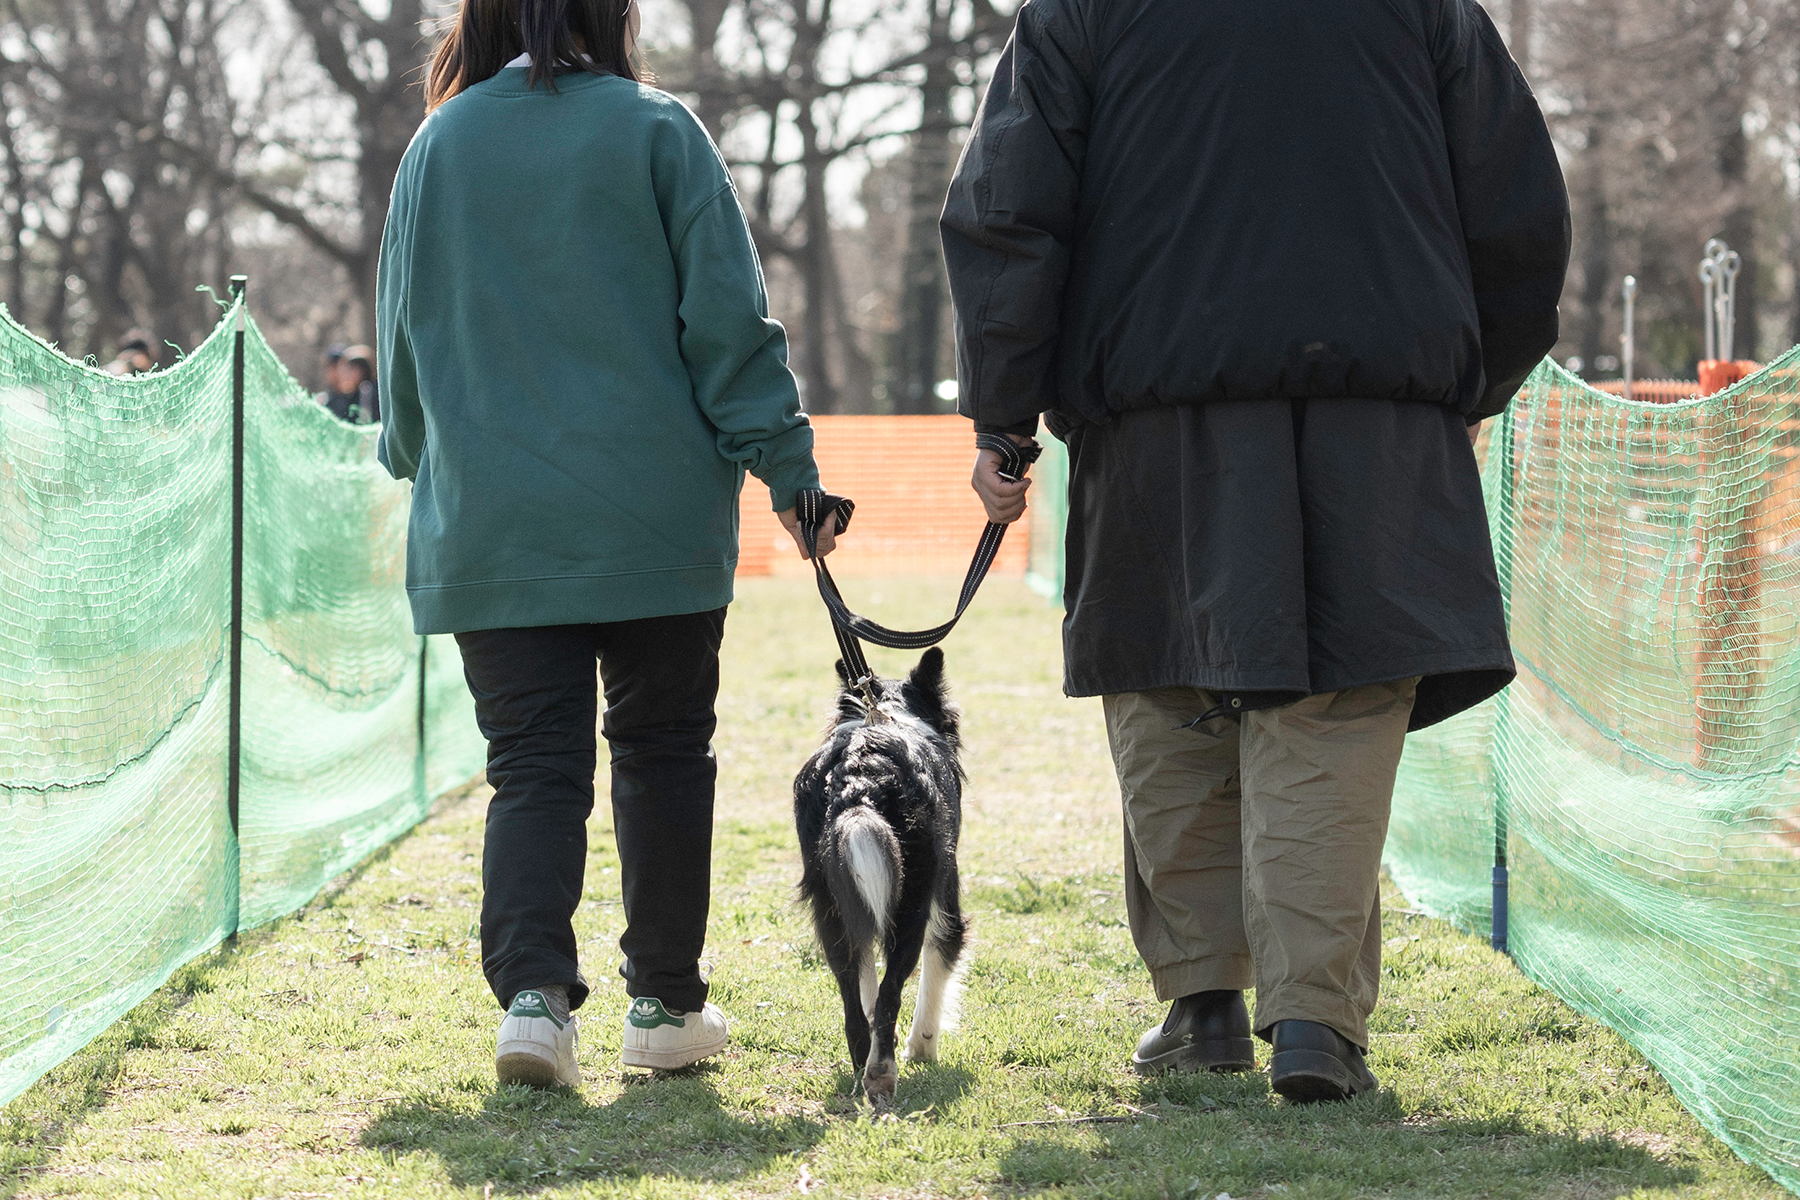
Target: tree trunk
{"x":1519,"y":18}
{"x":376,"y":168}
{"x":385,"y":127}
{"x":56,"y":315}
{"x":815,"y":262}
{"x":389,"y":107}
{"x":922,"y":284}
{"x":1739,"y":226}
{"x":1794,"y":264}
{"x":821,"y":394}
{"x":68,"y":252}
{"x":14,"y":199}
{"x":1596,"y":256}
{"x":859,"y":372}
{"x":106,"y":285}
{"x":712,"y":100}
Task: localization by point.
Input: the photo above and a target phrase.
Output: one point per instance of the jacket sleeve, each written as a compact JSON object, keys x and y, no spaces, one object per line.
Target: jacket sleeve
{"x":735,"y":355}
{"x":403,"y":429}
{"x":1009,"y":222}
{"x":1510,"y":196}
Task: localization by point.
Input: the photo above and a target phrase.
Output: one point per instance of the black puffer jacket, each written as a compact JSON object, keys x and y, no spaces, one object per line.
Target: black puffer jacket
{"x":1205,"y":200}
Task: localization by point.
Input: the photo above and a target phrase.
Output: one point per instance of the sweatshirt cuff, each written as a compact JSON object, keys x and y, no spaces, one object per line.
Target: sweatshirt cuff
{"x":1021,"y":428}
{"x":787,"y":480}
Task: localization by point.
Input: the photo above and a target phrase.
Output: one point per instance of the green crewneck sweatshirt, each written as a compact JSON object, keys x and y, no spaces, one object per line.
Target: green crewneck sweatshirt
{"x":577,"y":363}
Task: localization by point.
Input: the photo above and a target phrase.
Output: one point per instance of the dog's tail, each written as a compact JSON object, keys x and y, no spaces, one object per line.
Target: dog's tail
{"x":862,"y":869}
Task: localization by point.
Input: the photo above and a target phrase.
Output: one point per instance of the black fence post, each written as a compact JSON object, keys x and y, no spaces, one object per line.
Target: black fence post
{"x":235,"y":712}
{"x":1506,"y":432}
{"x":420,"y":779}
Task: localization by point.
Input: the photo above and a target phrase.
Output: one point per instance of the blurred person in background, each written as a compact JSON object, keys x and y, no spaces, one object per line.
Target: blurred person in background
{"x":334,"y":355}
{"x":350,"y":390}
{"x":1261,"y":265}
{"x":356,"y":375}
{"x":137,"y":354}
{"x":579,"y":369}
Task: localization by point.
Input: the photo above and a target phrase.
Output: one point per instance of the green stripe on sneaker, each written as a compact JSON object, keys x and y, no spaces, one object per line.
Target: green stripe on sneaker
{"x":647,"y":1012}
{"x":532,"y":1004}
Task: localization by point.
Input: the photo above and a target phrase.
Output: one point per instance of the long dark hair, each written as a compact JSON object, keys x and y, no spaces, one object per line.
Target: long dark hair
{"x":487,"y":34}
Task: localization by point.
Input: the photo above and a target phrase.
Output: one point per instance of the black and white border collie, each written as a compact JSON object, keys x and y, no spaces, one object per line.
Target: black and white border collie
{"x":878,"y":808}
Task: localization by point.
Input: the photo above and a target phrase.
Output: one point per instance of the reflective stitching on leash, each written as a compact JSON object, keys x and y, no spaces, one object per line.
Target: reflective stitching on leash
{"x":815,"y":505}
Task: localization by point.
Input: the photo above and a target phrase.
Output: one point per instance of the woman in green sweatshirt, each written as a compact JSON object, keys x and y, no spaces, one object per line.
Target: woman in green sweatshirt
{"x":579,"y":368}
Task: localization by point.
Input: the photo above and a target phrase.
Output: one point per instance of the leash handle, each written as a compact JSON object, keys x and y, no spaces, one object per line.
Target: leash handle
{"x":1015,"y":460}
{"x":850,"y":629}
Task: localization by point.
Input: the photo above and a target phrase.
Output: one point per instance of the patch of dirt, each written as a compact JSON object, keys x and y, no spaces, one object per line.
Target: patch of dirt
{"x":1657,"y":1145}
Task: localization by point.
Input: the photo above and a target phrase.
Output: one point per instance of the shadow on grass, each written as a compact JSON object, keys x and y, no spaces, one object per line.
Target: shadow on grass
{"x":1208,"y":1137}
{"x":523,"y":1139}
{"x":672,"y":1125}
{"x":35,"y":1126}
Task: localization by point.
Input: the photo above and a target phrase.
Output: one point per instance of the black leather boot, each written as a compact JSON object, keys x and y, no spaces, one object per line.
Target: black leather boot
{"x":1314,"y":1063}
{"x":1205,"y":1031}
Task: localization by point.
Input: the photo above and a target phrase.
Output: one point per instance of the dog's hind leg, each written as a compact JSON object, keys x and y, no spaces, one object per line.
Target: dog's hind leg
{"x":939,"y":980}
{"x":849,"y":966}
{"x":882,"y":1075}
{"x":866,"y":983}
{"x":856,"y":1021}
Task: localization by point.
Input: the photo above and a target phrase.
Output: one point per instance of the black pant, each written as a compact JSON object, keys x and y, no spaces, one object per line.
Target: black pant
{"x":534,"y":700}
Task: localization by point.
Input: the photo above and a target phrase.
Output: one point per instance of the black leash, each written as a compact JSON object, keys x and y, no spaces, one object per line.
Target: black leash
{"x":849,"y":628}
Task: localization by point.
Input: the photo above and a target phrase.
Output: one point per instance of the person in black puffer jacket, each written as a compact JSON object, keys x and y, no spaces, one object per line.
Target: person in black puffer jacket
{"x":1263,"y":265}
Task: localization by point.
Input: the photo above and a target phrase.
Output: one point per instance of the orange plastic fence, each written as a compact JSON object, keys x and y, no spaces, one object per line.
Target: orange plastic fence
{"x":1653,"y":391}
{"x":915,"y":513}
{"x":1730,"y":553}
{"x":1716,"y":375}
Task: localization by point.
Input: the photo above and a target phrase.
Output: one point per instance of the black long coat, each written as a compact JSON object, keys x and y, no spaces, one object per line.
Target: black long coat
{"x":1260,"y":261}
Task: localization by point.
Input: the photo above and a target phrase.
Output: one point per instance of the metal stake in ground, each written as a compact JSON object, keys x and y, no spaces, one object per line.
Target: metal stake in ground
{"x":1707,"y":274}
{"x":235,"y":710}
{"x":1729,"y":265}
{"x":1712,"y":281}
{"x":1628,"y":339}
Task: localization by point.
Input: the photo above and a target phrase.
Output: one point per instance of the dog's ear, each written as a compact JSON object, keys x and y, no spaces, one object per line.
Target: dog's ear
{"x":929,"y":674}
{"x":843,"y":673}
{"x":927,"y":694}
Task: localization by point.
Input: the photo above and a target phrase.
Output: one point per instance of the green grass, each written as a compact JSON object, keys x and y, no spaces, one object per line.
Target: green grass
{"x":347,"y":1050}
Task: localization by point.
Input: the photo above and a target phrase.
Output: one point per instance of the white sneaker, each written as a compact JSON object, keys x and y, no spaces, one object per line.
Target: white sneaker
{"x":668,"y":1041}
{"x":536,"y":1048}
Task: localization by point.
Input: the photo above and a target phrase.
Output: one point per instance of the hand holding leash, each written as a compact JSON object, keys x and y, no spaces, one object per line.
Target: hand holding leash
{"x":826,"y":537}
{"x":820,"y":511}
{"x":999,"y":477}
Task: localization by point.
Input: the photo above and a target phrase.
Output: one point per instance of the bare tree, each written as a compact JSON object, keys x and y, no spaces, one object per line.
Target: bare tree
{"x":796,"y":89}
{"x":1653,"y":102}
{"x":370,"y":64}
{"x":135,"y":162}
{"x":104,"y":232}
{"x":373,"y":62}
{"x":956,"y":43}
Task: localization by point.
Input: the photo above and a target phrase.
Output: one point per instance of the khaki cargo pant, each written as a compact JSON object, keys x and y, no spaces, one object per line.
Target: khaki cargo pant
{"x":1253,"y":847}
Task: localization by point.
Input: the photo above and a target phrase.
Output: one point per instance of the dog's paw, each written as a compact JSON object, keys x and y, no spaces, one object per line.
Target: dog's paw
{"x":879,"y":1081}
{"x":922,"y":1047}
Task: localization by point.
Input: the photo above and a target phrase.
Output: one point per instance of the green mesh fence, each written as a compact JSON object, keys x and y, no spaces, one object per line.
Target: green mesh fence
{"x":1644,"y":768}
{"x":1048,"y":514}
{"x":117,"y":857}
